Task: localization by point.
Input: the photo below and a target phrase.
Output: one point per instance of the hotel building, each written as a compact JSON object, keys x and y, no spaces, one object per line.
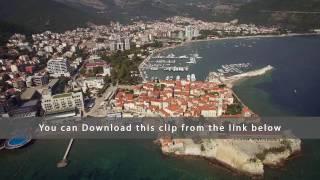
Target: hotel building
{"x":58,"y":67}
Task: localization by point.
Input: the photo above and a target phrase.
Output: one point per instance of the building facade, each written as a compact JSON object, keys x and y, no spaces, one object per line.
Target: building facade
{"x":40,"y":79}
{"x":191,"y":32}
{"x":62,"y":102}
{"x":58,"y":67}
{"x":93,"y":82}
{"x":120,"y":44}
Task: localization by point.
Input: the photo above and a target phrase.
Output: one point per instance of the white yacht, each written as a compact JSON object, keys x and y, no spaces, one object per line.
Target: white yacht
{"x":171,"y":55}
{"x":192,"y":61}
{"x":188,"y":77}
{"x":193,"y":77}
{"x":183,"y":57}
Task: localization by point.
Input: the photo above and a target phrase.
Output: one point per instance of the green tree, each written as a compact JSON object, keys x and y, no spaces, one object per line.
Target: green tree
{"x":82,"y":71}
{"x":123,"y":72}
{"x":97,"y":70}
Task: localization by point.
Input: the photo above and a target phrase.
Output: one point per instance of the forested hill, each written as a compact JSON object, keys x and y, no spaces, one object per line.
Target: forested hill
{"x":292,"y":14}
{"x":41,"y":15}
{"x":7,"y":29}
{"x":61,"y":15}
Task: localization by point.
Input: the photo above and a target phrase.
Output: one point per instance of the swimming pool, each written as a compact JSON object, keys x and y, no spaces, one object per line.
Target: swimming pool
{"x":17,"y":142}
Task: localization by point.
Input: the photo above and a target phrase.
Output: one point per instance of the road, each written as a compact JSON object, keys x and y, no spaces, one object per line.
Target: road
{"x":291,"y":12}
{"x":98,"y":110}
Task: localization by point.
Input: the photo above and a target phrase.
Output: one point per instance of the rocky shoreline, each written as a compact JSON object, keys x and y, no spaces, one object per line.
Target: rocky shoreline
{"x":243,"y":156}
{"x":247,"y":156}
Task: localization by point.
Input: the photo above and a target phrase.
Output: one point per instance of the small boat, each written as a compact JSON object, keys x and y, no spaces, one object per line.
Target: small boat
{"x":196,"y":55}
{"x":192,"y":61}
{"x":183,"y":57}
{"x":188,"y":77}
{"x":171,"y":56}
{"x":193,"y":77}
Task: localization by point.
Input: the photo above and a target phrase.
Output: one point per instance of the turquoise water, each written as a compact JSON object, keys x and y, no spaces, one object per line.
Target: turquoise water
{"x":18,"y":141}
{"x":296,"y":60}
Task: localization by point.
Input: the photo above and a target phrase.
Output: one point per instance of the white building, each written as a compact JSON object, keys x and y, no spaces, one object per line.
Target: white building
{"x":92,"y":64}
{"x":93,"y":82}
{"x":14,"y":68}
{"x":209,"y":113}
{"x":62,"y":102}
{"x":191,"y":32}
{"x":121,"y":44}
{"x":39,"y":79}
{"x":58,"y":67}
{"x":126,"y":43}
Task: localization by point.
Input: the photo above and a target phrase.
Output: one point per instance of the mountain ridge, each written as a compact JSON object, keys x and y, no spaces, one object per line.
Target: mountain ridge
{"x":61,"y":15}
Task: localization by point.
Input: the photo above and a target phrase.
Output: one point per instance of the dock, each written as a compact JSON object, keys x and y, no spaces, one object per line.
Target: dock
{"x":64,"y":161}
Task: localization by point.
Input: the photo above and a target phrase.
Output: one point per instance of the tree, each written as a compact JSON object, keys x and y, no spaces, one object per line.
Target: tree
{"x":234,"y":109}
{"x":82,"y":71}
{"x":90,"y":72}
{"x":5,"y":77}
{"x":107,"y":80}
{"x":97,"y":70}
{"x":157,"y":44}
{"x":123,"y":72}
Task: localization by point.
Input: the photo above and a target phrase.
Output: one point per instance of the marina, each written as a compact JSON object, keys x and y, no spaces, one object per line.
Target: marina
{"x":234,"y":68}
{"x":170,"y":63}
{"x":173,"y":56}
{"x":189,"y":77}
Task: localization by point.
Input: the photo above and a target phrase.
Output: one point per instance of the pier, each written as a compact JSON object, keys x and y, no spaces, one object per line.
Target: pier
{"x":64,"y":161}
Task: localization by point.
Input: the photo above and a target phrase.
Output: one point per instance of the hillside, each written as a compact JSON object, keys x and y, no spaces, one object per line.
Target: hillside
{"x":61,"y":15}
{"x":298,"y":15}
{"x":126,"y":10}
{"x":41,"y":15}
{"x":7,"y":29}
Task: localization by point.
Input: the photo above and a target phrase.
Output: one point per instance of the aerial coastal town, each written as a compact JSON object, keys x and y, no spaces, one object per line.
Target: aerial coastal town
{"x":98,"y":71}
{"x":180,"y":99}
{"x":82,"y":68}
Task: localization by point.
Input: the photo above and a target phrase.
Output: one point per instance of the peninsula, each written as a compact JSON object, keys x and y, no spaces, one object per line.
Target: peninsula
{"x":245,"y":156}
{"x":205,"y":99}
{"x":91,"y":71}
